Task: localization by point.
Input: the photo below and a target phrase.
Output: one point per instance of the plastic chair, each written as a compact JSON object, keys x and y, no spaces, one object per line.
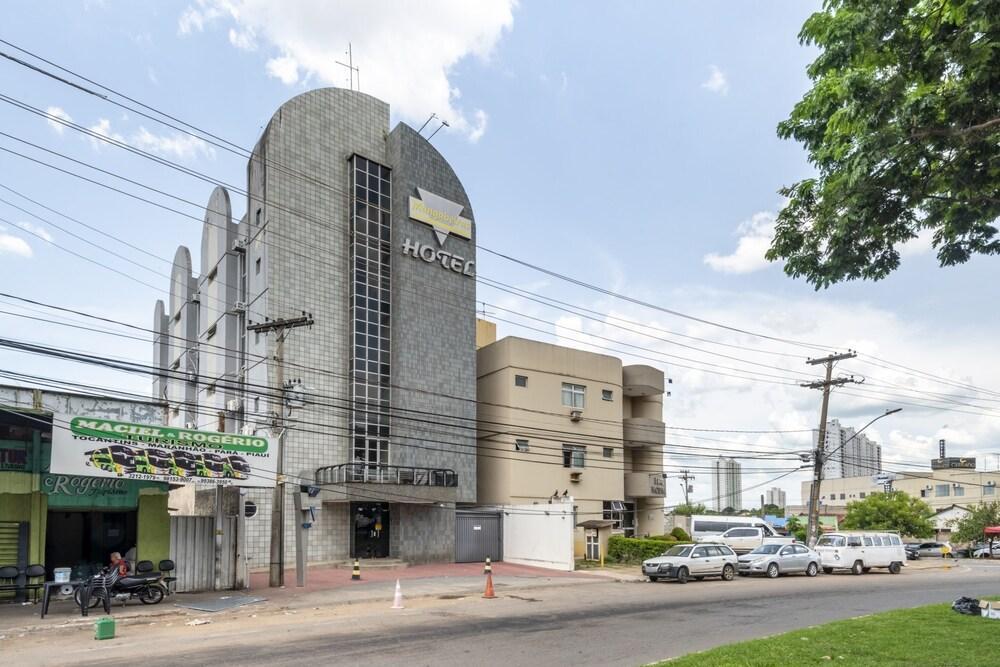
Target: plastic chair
{"x":35,"y":572}
{"x":8,"y":577}
{"x":166,"y":567}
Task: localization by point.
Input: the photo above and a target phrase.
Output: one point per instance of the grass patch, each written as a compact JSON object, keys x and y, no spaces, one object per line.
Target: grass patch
{"x":932,"y":635}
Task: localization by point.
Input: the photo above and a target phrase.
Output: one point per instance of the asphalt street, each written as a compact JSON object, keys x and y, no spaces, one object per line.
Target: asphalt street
{"x":600,"y":623}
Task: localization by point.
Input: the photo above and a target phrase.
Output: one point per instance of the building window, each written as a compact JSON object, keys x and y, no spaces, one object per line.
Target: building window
{"x":941,"y":490}
{"x":573,"y":395}
{"x":210,"y":390}
{"x":257,"y":217}
{"x":214,"y":272}
{"x":989,"y":490}
{"x":520,"y":380}
{"x":862,"y":494}
{"x":210,"y":332}
{"x":842,"y":496}
{"x":521,"y":445}
{"x":923,"y":493}
{"x":959,"y":490}
{"x":371,"y":251}
{"x":256,"y":266}
{"x":608,"y":452}
{"x":574,"y":456}
{"x":607,"y":395}
{"x":256,"y":403}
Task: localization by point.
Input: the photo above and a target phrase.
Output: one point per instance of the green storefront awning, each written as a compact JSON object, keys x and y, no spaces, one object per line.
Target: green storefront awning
{"x":79,"y":492}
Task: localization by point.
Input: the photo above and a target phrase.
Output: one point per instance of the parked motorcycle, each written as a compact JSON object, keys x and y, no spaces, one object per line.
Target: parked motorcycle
{"x":144,"y":586}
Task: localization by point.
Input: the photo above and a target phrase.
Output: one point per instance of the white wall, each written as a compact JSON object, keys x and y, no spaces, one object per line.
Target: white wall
{"x":532,"y":537}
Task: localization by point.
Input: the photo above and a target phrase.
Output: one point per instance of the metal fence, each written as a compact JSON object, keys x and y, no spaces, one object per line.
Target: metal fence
{"x":192,"y":548}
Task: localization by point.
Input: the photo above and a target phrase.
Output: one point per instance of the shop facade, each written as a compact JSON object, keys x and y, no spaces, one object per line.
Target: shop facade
{"x":55,"y":519}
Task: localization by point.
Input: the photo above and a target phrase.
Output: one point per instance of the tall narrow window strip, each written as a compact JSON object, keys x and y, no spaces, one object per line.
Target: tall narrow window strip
{"x":370,"y":311}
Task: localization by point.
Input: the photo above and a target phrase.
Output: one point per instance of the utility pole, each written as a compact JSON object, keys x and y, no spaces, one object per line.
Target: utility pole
{"x":685,"y":477}
{"x":812,"y":530}
{"x":282,"y":326}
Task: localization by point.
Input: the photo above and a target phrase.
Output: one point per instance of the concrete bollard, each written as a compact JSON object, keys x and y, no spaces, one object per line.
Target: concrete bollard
{"x":488,"y":568}
{"x":356,"y":573}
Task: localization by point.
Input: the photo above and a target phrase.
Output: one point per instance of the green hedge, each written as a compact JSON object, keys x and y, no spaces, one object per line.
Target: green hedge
{"x":680,"y":535}
{"x":635,"y":549}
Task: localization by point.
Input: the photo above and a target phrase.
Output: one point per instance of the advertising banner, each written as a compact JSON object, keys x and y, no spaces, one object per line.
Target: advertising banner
{"x":121,"y":450}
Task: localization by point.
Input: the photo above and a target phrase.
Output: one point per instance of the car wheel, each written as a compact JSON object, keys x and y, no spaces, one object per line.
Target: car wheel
{"x":772,"y":571}
{"x":728,"y":573}
{"x":857,"y":568}
{"x":682,"y":575}
{"x":983,"y":555}
{"x":895,"y":568}
{"x":866,"y":570}
{"x":812,"y":570}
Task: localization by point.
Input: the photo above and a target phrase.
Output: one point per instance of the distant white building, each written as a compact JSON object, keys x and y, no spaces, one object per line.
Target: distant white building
{"x":775,"y":496}
{"x":848,"y":454}
{"x":727,"y":488}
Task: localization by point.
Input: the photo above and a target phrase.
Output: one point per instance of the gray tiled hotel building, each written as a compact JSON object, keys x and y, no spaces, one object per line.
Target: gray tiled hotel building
{"x":379,"y":390}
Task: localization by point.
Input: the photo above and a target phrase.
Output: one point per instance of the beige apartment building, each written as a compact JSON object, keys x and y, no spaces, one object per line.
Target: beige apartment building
{"x":556,"y":421}
{"x":938,"y":488}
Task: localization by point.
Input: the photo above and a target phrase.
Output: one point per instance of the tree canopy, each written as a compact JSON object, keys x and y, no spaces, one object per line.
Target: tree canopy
{"x":902,"y":124}
{"x":895,"y":511}
{"x":970,"y":528}
{"x":689,"y":510}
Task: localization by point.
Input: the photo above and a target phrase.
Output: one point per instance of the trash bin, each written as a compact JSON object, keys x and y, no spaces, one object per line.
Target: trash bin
{"x":104,"y":628}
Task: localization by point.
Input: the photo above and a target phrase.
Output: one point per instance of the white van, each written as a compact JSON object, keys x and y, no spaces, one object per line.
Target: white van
{"x":860,"y":551}
{"x":711,"y":525}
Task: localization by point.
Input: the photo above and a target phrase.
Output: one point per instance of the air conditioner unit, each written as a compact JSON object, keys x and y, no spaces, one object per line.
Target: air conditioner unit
{"x":576,"y":415}
{"x":240,"y":245}
{"x":191,"y":426}
{"x":247,"y":429}
{"x":240,"y":306}
{"x":234,"y":405}
{"x":575,"y":476}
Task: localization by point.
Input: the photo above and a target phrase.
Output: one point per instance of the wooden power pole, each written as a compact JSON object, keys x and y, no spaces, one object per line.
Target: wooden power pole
{"x":812,"y":530}
{"x":282,"y":327}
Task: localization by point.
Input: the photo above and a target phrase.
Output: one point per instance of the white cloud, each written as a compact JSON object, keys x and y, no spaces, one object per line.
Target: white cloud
{"x":57,"y":112}
{"x":103,"y":128}
{"x":716,"y":81}
{"x":406,"y":54}
{"x":177,"y":145}
{"x":284,"y":68}
{"x":36,"y":230}
{"x":920,"y":244}
{"x":245,"y":40}
{"x":13,"y":245}
{"x":755,"y":238}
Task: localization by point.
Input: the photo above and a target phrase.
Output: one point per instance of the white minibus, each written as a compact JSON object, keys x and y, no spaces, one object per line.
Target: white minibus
{"x":708,"y":525}
{"x":860,"y":551}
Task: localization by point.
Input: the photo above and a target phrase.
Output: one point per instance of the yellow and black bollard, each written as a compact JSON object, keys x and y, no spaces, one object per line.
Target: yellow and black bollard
{"x":356,"y":574}
{"x":488,"y":568}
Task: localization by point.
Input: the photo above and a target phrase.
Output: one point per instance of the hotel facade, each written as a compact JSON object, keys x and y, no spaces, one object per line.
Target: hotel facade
{"x":337,"y":317}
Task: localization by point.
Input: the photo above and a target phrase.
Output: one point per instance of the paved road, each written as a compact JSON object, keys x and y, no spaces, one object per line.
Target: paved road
{"x":602,"y":623}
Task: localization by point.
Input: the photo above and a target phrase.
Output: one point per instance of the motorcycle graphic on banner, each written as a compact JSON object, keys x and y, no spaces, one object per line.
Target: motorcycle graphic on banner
{"x":97,"y":447}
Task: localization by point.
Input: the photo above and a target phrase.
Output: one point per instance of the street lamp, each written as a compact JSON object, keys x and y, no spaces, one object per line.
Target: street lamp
{"x":820,"y":458}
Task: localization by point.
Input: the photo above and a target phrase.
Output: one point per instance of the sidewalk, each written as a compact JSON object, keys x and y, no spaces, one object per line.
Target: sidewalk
{"x":326,"y":587}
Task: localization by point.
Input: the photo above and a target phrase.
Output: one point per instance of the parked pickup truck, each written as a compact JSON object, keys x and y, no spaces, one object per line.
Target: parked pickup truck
{"x":745,"y":540}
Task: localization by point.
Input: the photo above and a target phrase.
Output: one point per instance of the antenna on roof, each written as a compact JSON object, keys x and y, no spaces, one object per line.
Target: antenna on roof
{"x":352,"y":70}
{"x":432,"y":117}
{"x":444,"y":123}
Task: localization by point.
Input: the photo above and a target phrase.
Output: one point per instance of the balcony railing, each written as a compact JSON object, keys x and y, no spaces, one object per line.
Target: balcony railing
{"x":371,"y":473}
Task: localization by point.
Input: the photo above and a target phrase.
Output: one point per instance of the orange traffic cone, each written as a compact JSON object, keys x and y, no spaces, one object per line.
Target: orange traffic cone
{"x":488,"y":593}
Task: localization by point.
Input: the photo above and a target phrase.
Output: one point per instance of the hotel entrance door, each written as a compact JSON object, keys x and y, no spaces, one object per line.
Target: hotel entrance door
{"x":371,"y":530}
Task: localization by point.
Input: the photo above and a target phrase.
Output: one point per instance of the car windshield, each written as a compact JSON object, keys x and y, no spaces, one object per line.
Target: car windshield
{"x":677,"y":551}
{"x":766,"y":549}
{"x":831,"y":541}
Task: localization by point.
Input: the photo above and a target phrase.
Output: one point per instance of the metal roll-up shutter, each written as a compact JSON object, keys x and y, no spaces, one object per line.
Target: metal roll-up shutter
{"x":478,"y":535}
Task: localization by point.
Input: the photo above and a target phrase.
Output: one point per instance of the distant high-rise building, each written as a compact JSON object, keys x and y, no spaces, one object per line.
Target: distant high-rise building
{"x":727,"y":490}
{"x":847,"y":453}
{"x":775,"y":496}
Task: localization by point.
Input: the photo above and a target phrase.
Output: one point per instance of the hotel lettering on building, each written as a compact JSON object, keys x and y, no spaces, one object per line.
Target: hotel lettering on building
{"x":366,"y":238}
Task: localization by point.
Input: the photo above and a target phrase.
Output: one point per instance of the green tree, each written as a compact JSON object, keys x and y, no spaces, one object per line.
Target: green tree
{"x":902,"y":124}
{"x":774,"y":510}
{"x":688,"y":510}
{"x":895,"y":511}
{"x":971,"y":528}
{"x":796,"y":528}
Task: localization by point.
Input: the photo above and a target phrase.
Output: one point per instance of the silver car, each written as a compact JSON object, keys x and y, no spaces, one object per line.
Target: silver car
{"x":773,"y":560}
{"x":692,"y":561}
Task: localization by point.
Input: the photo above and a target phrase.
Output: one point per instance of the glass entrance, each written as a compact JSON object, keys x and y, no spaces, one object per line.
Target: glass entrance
{"x":84,"y":540}
{"x":371,"y":530}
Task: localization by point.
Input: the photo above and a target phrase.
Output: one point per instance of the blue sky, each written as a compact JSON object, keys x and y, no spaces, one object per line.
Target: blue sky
{"x":629,"y":145}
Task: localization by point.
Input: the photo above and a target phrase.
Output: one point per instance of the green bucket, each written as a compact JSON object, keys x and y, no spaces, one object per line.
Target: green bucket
{"x":104,"y":628}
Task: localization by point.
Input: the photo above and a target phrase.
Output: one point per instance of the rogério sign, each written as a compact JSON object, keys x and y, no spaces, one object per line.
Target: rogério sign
{"x":106,"y":448}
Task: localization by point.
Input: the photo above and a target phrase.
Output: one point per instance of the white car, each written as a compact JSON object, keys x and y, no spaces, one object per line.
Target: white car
{"x":984,"y":552}
{"x":692,"y":561}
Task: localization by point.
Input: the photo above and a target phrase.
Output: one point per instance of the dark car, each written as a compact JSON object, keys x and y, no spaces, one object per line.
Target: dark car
{"x":912,"y":551}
